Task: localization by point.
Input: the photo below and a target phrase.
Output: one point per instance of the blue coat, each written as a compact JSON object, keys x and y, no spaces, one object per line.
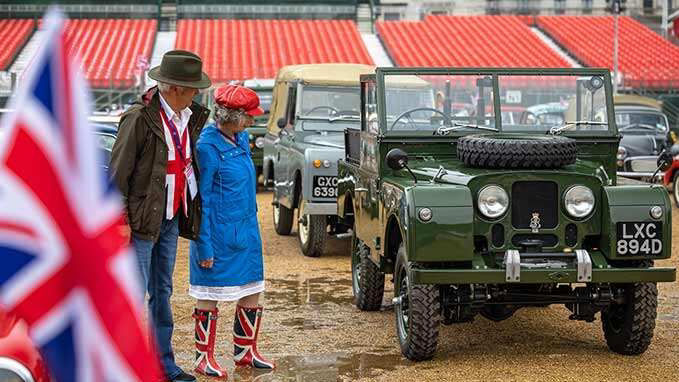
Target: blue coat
{"x":229,"y":232}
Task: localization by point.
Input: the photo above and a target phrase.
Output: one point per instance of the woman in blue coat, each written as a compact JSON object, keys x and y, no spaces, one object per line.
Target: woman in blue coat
{"x":226,"y":259}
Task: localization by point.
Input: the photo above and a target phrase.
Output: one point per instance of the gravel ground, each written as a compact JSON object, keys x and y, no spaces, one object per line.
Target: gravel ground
{"x":315,"y":333}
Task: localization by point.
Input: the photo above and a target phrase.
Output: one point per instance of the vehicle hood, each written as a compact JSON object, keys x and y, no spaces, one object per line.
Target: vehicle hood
{"x":335,"y":140}
{"x":643,"y":144}
{"x":458,"y":173}
{"x":256,"y":131}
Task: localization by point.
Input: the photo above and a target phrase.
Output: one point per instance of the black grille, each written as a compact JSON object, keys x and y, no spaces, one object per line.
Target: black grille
{"x":531,"y":197}
{"x":534,"y":240}
{"x":571,"y":235}
{"x":498,"y":235}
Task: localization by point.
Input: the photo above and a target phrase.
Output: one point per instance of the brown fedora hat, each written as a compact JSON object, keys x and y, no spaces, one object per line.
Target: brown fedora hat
{"x":183,"y":68}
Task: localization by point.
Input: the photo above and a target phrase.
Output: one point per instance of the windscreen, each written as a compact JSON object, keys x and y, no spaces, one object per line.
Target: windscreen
{"x":467,"y":103}
{"x":329,"y":108}
{"x":650,"y":122}
{"x":553,"y":103}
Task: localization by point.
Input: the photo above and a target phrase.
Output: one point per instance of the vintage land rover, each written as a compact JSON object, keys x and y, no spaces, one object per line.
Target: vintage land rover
{"x":312,"y":106}
{"x":475,"y":215}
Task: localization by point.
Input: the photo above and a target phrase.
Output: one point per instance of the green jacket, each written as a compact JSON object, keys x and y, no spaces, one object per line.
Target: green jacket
{"x":139,"y":166}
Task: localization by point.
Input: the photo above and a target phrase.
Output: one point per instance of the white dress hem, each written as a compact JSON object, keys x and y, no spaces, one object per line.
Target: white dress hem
{"x":228,"y":293}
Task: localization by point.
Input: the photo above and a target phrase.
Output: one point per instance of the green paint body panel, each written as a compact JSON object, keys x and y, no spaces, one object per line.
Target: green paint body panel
{"x":446,"y":249}
{"x":633,"y":204}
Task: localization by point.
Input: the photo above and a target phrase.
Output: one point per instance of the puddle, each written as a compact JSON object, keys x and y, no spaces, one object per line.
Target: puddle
{"x":285,"y":294}
{"x":328,"y":367}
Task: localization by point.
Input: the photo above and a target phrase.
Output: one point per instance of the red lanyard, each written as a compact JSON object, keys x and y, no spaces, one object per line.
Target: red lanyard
{"x":174,"y":133}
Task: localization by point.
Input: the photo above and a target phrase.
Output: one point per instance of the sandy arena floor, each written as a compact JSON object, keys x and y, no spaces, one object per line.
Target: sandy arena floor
{"x":315,"y":333}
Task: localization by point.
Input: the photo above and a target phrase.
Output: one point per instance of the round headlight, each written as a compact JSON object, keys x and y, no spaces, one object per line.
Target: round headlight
{"x":579,"y":201}
{"x":493,"y":201}
{"x":622,"y":153}
{"x":326,"y":163}
{"x":656,"y":212}
{"x":259,"y":142}
{"x":425,"y":214}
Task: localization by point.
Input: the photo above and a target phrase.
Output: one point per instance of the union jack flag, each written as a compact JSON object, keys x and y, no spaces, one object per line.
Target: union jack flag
{"x":67,"y":270}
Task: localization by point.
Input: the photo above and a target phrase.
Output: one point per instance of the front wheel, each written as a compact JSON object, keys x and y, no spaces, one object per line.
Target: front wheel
{"x":282,"y":218}
{"x":628,"y":327}
{"x":418,"y":312}
{"x":312,"y":233}
{"x":367,"y":280}
{"x":675,"y":186}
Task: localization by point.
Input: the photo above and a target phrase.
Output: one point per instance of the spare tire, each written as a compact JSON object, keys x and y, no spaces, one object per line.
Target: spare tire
{"x":506,"y":151}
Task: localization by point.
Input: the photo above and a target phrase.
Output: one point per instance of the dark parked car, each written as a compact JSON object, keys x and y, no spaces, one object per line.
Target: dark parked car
{"x":644,"y":129}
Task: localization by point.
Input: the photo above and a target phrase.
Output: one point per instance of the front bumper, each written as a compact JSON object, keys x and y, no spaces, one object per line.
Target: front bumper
{"x":311,"y":208}
{"x":642,"y":175}
{"x":483,"y":271}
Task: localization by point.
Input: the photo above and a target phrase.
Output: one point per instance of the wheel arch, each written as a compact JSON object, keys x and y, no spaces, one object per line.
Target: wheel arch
{"x":297,"y":189}
{"x":345,"y":208}
{"x":393,"y":237}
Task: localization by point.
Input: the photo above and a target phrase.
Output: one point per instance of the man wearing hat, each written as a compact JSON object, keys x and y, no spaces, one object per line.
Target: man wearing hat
{"x":153,"y":166}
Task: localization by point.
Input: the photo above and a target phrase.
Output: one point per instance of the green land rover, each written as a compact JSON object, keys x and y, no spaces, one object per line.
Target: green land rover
{"x":264,"y":90}
{"x":474,"y":214}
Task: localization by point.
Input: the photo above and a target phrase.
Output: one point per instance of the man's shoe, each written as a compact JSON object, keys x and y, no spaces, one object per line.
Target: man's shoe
{"x":184,"y":377}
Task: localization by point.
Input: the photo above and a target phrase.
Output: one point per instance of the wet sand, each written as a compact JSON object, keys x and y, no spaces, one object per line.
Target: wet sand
{"x":315,"y":333}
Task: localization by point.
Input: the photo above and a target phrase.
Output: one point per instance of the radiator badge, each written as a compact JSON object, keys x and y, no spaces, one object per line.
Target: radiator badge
{"x":535,"y":222}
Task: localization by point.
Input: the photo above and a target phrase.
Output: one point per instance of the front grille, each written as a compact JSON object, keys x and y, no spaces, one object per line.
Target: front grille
{"x":643,"y":165}
{"x":535,"y":197}
{"x":534,"y":240}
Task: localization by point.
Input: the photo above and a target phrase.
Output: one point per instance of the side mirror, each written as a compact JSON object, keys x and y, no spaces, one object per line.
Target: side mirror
{"x":664,"y":161}
{"x":397,"y":159}
{"x":281,"y":123}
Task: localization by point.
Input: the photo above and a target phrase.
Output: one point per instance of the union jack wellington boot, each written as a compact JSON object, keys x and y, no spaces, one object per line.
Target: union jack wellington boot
{"x":245,"y":331}
{"x":206,"y":332}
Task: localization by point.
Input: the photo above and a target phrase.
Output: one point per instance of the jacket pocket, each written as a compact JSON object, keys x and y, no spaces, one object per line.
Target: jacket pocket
{"x":233,"y":236}
{"x":135,"y":210}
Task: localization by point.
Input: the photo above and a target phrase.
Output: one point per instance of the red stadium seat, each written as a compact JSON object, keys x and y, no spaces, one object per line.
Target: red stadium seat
{"x":466,"y":41}
{"x":109,"y":48}
{"x":645,"y":58}
{"x":243,"y":49}
{"x":14,"y":33}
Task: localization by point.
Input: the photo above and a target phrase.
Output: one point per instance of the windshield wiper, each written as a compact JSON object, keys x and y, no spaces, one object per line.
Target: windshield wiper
{"x":556,"y":130}
{"x":457,"y":126}
{"x":344,"y":117}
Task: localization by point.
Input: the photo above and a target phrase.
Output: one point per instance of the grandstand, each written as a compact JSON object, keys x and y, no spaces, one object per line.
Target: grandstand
{"x":645,"y":58}
{"x":110,"y":48}
{"x":454,"y":41}
{"x":13,"y":33}
{"x":243,"y":49}
{"x":242,"y":39}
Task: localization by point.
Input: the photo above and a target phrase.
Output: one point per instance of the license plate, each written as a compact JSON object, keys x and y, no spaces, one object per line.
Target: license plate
{"x":639,"y":239}
{"x":324,"y":187}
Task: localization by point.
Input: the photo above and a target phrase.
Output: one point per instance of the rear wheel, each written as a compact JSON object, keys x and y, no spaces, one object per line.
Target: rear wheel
{"x":282,"y":218}
{"x":312,"y":232}
{"x":367,"y":280}
{"x":628,"y":327}
{"x":418,"y":313}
